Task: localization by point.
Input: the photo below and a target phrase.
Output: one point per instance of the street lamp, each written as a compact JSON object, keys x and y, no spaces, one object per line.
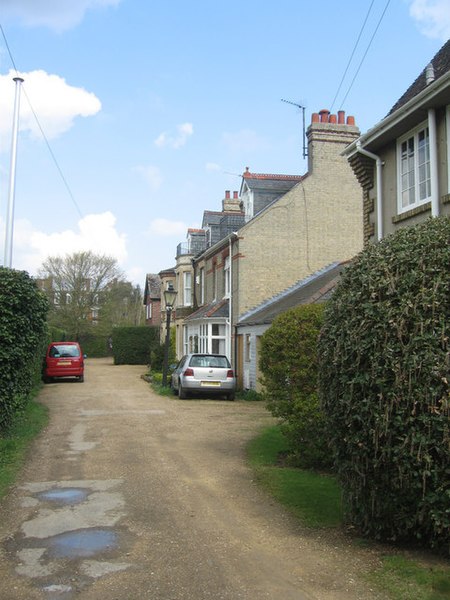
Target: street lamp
{"x":169,"y":300}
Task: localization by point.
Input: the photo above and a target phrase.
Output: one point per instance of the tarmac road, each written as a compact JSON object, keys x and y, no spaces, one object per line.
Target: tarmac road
{"x":128,"y":495}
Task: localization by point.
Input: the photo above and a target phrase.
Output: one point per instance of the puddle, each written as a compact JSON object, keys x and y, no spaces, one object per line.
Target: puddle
{"x":64,"y":495}
{"x":82,"y":543}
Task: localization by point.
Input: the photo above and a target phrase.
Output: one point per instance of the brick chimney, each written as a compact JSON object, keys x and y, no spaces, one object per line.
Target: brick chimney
{"x":327,"y":136}
{"x":231,"y":204}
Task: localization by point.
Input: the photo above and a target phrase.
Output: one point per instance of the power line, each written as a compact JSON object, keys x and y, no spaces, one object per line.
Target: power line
{"x":367,"y":50}
{"x":352,"y":54}
{"x":52,"y":154}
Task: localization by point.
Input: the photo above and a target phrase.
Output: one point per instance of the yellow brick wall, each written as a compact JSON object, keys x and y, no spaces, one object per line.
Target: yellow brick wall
{"x":318,"y":222}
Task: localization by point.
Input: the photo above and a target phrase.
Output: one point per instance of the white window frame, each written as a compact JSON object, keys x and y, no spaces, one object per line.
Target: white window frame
{"x":149,"y":311}
{"x":415,"y":169}
{"x":202,"y":285}
{"x":187,"y":288}
{"x":226,"y":275}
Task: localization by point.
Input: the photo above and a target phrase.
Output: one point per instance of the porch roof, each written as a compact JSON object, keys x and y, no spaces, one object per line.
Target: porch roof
{"x":217,"y":309}
{"x":315,"y":288}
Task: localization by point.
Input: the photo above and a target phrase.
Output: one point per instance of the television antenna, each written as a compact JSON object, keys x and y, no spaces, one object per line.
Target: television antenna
{"x":305,"y":149}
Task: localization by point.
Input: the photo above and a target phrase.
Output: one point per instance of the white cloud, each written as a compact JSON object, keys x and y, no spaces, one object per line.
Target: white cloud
{"x":245,"y":140}
{"x":151,"y":174}
{"x":55,"y":103}
{"x":58,"y":15}
{"x":177,"y":140}
{"x":212,"y":167}
{"x":433,"y":17}
{"x":96,"y":232}
{"x":164,"y":227}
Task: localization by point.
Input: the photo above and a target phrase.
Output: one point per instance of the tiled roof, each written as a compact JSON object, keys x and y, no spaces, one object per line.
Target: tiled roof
{"x":152,"y":287}
{"x":441,"y":65}
{"x":215,"y":309}
{"x":315,"y":288}
{"x":272,"y":176}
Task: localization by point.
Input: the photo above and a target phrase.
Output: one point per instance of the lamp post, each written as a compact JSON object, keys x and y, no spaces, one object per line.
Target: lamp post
{"x":169,"y":300}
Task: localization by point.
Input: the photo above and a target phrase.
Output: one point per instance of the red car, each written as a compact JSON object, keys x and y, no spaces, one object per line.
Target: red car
{"x":63,"y":359}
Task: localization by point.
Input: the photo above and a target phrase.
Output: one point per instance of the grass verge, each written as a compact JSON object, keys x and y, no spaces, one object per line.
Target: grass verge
{"x":15,"y":443}
{"x":315,"y":499}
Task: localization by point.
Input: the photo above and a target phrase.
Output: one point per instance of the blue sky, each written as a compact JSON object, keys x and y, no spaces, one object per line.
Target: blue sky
{"x":152,"y":110}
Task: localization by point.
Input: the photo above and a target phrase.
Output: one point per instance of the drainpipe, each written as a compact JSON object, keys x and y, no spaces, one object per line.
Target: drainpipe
{"x":433,"y":163}
{"x":379,"y":165}
{"x":230,"y":300}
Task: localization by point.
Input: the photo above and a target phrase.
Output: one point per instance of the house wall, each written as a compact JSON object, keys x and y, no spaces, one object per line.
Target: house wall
{"x":250,"y":341}
{"x":392,"y":219}
{"x":317,"y":222}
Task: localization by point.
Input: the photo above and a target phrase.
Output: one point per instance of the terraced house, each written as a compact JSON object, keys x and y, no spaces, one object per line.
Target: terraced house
{"x":275,"y":231}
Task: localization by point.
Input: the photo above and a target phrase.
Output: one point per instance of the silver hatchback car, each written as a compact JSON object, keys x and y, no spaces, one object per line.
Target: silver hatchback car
{"x":204,"y":373}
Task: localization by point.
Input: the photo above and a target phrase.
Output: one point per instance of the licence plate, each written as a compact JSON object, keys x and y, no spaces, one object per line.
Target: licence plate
{"x":210,"y":384}
{"x":63,"y":363}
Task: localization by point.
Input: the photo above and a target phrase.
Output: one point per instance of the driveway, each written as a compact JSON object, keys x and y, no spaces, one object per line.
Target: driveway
{"x":127,"y":496}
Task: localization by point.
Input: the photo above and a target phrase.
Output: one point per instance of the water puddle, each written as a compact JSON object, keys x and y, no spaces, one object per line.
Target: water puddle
{"x":64,"y":495}
{"x":82,"y":543}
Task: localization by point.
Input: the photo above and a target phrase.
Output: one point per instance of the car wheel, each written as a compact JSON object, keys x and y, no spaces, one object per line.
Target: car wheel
{"x":81,"y":378}
{"x":174,"y":390}
{"x":231,"y":396}
{"x":47,"y":379}
{"x":181,"y":392}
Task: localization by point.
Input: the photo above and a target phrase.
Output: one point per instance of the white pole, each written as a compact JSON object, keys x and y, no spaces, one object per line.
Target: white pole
{"x":12,"y":178}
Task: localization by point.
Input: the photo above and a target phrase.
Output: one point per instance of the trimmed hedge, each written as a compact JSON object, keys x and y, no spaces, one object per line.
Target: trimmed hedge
{"x":23,"y":338}
{"x":384,"y":369}
{"x":288,"y":361}
{"x":134,"y":345}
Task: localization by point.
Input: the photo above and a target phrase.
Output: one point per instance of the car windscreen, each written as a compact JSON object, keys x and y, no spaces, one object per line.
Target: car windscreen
{"x":210,"y":361}
{"x":66,"y":350}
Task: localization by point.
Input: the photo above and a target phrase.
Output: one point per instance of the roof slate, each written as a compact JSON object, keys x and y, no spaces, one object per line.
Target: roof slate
{"x":315,"y":288}
{"x":215,"y":309}
{"x":441,"y":65}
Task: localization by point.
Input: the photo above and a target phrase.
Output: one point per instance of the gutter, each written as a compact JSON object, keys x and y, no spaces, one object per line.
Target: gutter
{"x":383,"y":126}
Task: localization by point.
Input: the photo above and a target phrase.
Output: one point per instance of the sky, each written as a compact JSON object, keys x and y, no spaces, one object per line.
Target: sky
{"x":136,"y":116}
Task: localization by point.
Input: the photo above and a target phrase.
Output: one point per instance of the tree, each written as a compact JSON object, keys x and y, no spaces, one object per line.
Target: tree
{"x":384,"y":359}
{"x":77,"y":286}
{"x":288,"y":361}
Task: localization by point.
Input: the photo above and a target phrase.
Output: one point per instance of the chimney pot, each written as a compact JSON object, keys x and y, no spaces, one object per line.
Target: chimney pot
{"x":324,"y":115}
{"x":333,"y":119}
{"x":341,"y":117}
{"x":235,"y":195}
{"x":227,"y":194}
{"x":350,"y":120}
{"x":315,"y":118}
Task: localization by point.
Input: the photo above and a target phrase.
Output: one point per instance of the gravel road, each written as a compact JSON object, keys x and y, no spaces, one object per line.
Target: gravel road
{"x":128,"y":495}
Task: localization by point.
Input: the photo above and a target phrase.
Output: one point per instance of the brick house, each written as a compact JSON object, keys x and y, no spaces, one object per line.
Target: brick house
{"x":152,"y":300}
{"x":316,"y":223}
{"x":316,"y":288}
{"x":200,"y":324}
{"x":402,"y":163}
{"x":287,"y":227}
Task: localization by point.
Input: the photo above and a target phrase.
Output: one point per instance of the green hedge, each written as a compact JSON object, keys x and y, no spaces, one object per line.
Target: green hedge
{"x":288,"y":361}
{"x":384,"y":371}
{"x":23,"y":338}
{"x":134,"y":345}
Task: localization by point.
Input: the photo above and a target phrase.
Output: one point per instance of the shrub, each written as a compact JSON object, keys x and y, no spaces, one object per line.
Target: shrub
{"x":384,"y":364}
{"x":288,"y":361}
{"x":23,"y":337}
{"x":133,"y":345}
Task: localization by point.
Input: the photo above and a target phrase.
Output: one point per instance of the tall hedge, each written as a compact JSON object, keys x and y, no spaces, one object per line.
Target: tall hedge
{"x":134,"y":345}
{"x":23,"y":337}
{"x":288,"y":361}
{"x":384,"y":370}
